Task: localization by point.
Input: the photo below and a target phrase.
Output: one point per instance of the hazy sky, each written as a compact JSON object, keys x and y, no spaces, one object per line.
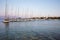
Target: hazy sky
{"x":30,"y":8}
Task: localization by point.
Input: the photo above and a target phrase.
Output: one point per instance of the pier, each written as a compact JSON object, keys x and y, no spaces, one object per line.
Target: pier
{"x":31,"y":19}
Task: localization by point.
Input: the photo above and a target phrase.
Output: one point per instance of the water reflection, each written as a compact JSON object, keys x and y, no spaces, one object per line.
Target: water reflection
{"x":7,"y":30}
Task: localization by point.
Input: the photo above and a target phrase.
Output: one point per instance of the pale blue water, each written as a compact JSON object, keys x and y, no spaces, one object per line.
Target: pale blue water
{"x":31,"y":30}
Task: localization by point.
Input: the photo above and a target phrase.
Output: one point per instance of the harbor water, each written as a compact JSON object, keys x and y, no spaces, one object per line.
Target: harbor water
{"x":30,"y":30}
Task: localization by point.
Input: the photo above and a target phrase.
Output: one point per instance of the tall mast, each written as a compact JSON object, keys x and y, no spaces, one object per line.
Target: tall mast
{"x":18,"y":12}
{"x":6,"y":9}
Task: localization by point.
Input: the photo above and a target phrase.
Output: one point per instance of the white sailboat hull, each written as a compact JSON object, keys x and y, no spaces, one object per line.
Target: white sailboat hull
{"x":6,"y":21}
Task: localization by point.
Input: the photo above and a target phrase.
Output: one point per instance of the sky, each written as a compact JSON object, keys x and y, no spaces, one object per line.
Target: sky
{"x":30,"y":8}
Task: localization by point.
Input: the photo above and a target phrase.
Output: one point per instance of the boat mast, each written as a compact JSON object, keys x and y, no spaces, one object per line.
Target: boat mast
{"x":6,"y":9}
{"x":18,"y":12}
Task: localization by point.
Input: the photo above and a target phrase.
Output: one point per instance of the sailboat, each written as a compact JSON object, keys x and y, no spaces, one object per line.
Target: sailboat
{"x":6,"y":20}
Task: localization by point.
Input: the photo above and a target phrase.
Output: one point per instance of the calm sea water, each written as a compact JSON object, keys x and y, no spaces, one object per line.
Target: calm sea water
{"x":31,"y":30}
